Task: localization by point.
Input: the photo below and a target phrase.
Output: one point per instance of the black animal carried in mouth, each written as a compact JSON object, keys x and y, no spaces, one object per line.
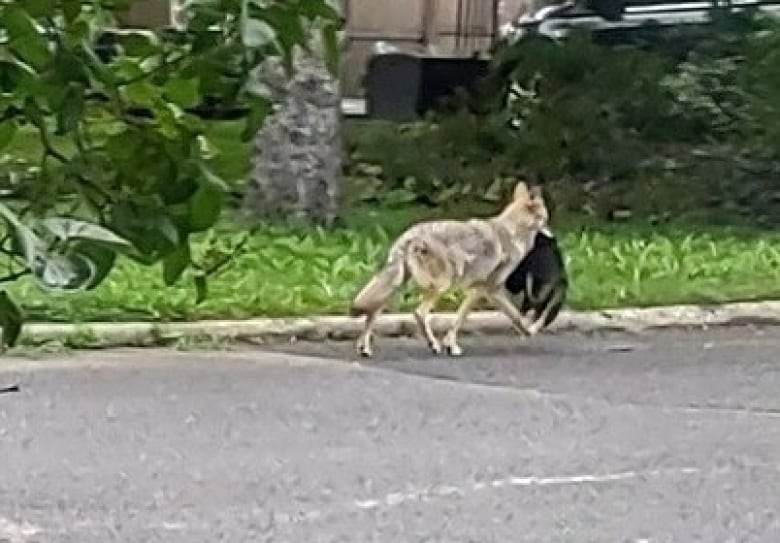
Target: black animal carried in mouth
{"x":539,"y":284}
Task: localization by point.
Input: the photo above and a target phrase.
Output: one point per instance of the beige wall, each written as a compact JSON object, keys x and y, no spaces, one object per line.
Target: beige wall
{"x":397,"y":22}
{"x":402,"y":23}
{"x":148,"y":14}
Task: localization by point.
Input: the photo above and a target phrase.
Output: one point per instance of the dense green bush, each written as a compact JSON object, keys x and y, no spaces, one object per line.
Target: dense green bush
{"x":643,"y":126}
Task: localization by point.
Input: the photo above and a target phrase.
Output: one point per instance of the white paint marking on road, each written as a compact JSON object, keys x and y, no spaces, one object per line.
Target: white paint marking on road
{"x":396,"y":498}
{"x":433,"y":492}
{"x":17,"y":532}
{"x":23,"y":532}
{"x":574,"y":480}
{"x":367,"y":504}
{"x":174,"y":526}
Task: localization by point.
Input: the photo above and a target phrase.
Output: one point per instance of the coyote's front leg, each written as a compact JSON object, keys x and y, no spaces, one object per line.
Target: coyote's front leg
{"x":450,"y":340}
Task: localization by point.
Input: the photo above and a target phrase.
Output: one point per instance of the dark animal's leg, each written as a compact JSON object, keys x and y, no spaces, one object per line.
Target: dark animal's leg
{"x":501,"y":299}
{"x":541,"y":319}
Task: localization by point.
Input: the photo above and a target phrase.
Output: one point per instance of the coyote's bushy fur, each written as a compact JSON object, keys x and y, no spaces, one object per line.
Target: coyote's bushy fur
{"x":476,"y":255}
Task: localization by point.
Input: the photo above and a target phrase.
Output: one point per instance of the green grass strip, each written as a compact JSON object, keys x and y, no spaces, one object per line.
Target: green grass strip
{"x":290,"y":274}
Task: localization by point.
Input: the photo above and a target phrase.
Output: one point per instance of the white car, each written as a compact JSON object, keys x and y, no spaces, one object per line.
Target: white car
{"x":558,"y":20}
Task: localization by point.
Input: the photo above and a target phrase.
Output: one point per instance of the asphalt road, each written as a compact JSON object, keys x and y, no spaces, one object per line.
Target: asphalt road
{"x":669,"y":437}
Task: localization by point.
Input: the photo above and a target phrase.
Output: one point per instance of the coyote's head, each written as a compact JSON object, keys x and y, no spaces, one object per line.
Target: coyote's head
{"x":527,"y":210}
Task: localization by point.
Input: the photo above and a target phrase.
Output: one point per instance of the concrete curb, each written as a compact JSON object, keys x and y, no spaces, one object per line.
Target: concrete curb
{"x":320,"y":328}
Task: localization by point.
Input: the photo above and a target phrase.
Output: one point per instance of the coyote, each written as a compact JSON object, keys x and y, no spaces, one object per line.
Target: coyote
{"x":476,"y":255}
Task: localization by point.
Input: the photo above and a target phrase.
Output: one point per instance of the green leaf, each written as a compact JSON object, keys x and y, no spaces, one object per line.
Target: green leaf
{"x":176,"y":262}
{"x":149,"y":229}
{"x":177,"y":190}
{"x":183,"y":92}
{"x":38,"y":8}
{"x":77,"y":31}
{"x":258,"y":88}
{"x":11,"y":320}
{"x":257,"y":33}
{"x":128,"y":69}
{"x":285,"y":18}
{"x":69,"y":68}
{"x":71,"y":109}
{"x":25,"y":39}
{"x":288,"y":24}
{"x":322,"y":9}
{"x":30,"y":245}
{"x":259,"y":109}
{"x":201,"y":288}
{"x":102,"y":259}
{"x":99,"y":70}
{"x":163,"y":226}
{"x":212,"y":178}
{"x":71,"y":9}
{"x":15,"y":79}
{"x":205,"y":207}
{"x":67,"y":229}
{"x":330,"y":41}
{"x":64,"y":271}
{"x":142,"y":93}
{"x":138,"y":45}
{"x":7,"y":132}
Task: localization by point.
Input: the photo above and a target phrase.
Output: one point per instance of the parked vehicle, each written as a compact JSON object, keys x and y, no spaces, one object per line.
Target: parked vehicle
{"x":621,"y":17}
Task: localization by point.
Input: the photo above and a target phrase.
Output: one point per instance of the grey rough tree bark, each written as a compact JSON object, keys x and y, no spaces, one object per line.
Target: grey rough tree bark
{"x":297,"y":158}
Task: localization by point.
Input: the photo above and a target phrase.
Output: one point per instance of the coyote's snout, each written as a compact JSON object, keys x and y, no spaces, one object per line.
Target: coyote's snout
{"x":476,"y":255}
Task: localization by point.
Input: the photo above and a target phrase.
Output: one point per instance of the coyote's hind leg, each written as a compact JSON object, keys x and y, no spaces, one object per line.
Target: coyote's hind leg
{"x":423,"y":317}
{"x":364,"y":342}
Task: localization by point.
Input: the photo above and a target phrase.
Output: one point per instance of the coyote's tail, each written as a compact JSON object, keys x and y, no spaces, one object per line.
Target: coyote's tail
{"x":381,"y":287}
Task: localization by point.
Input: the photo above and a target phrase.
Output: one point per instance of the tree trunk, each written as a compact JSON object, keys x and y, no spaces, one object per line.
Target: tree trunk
{"x":296,"y":164}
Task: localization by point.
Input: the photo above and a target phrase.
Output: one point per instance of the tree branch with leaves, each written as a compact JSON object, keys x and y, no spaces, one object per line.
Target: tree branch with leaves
{"x":134,"y":178}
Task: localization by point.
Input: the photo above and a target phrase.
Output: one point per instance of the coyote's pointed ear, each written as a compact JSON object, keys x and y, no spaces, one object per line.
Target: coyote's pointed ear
{"x":521,"y":191}
{"x":536,"y":192}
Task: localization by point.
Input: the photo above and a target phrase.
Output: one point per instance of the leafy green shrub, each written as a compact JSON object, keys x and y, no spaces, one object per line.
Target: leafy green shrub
{"x":610,"y":126}
{"x":429,"y":161}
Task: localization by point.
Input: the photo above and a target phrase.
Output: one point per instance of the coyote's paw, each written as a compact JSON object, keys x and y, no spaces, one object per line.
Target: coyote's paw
{"x":521,"y":328}
{"x":454,"y":350}
{"x":364,"y":349}
{"x":535,"y":328}
{"x":451,"y":345}
{"x":365,"y":352}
